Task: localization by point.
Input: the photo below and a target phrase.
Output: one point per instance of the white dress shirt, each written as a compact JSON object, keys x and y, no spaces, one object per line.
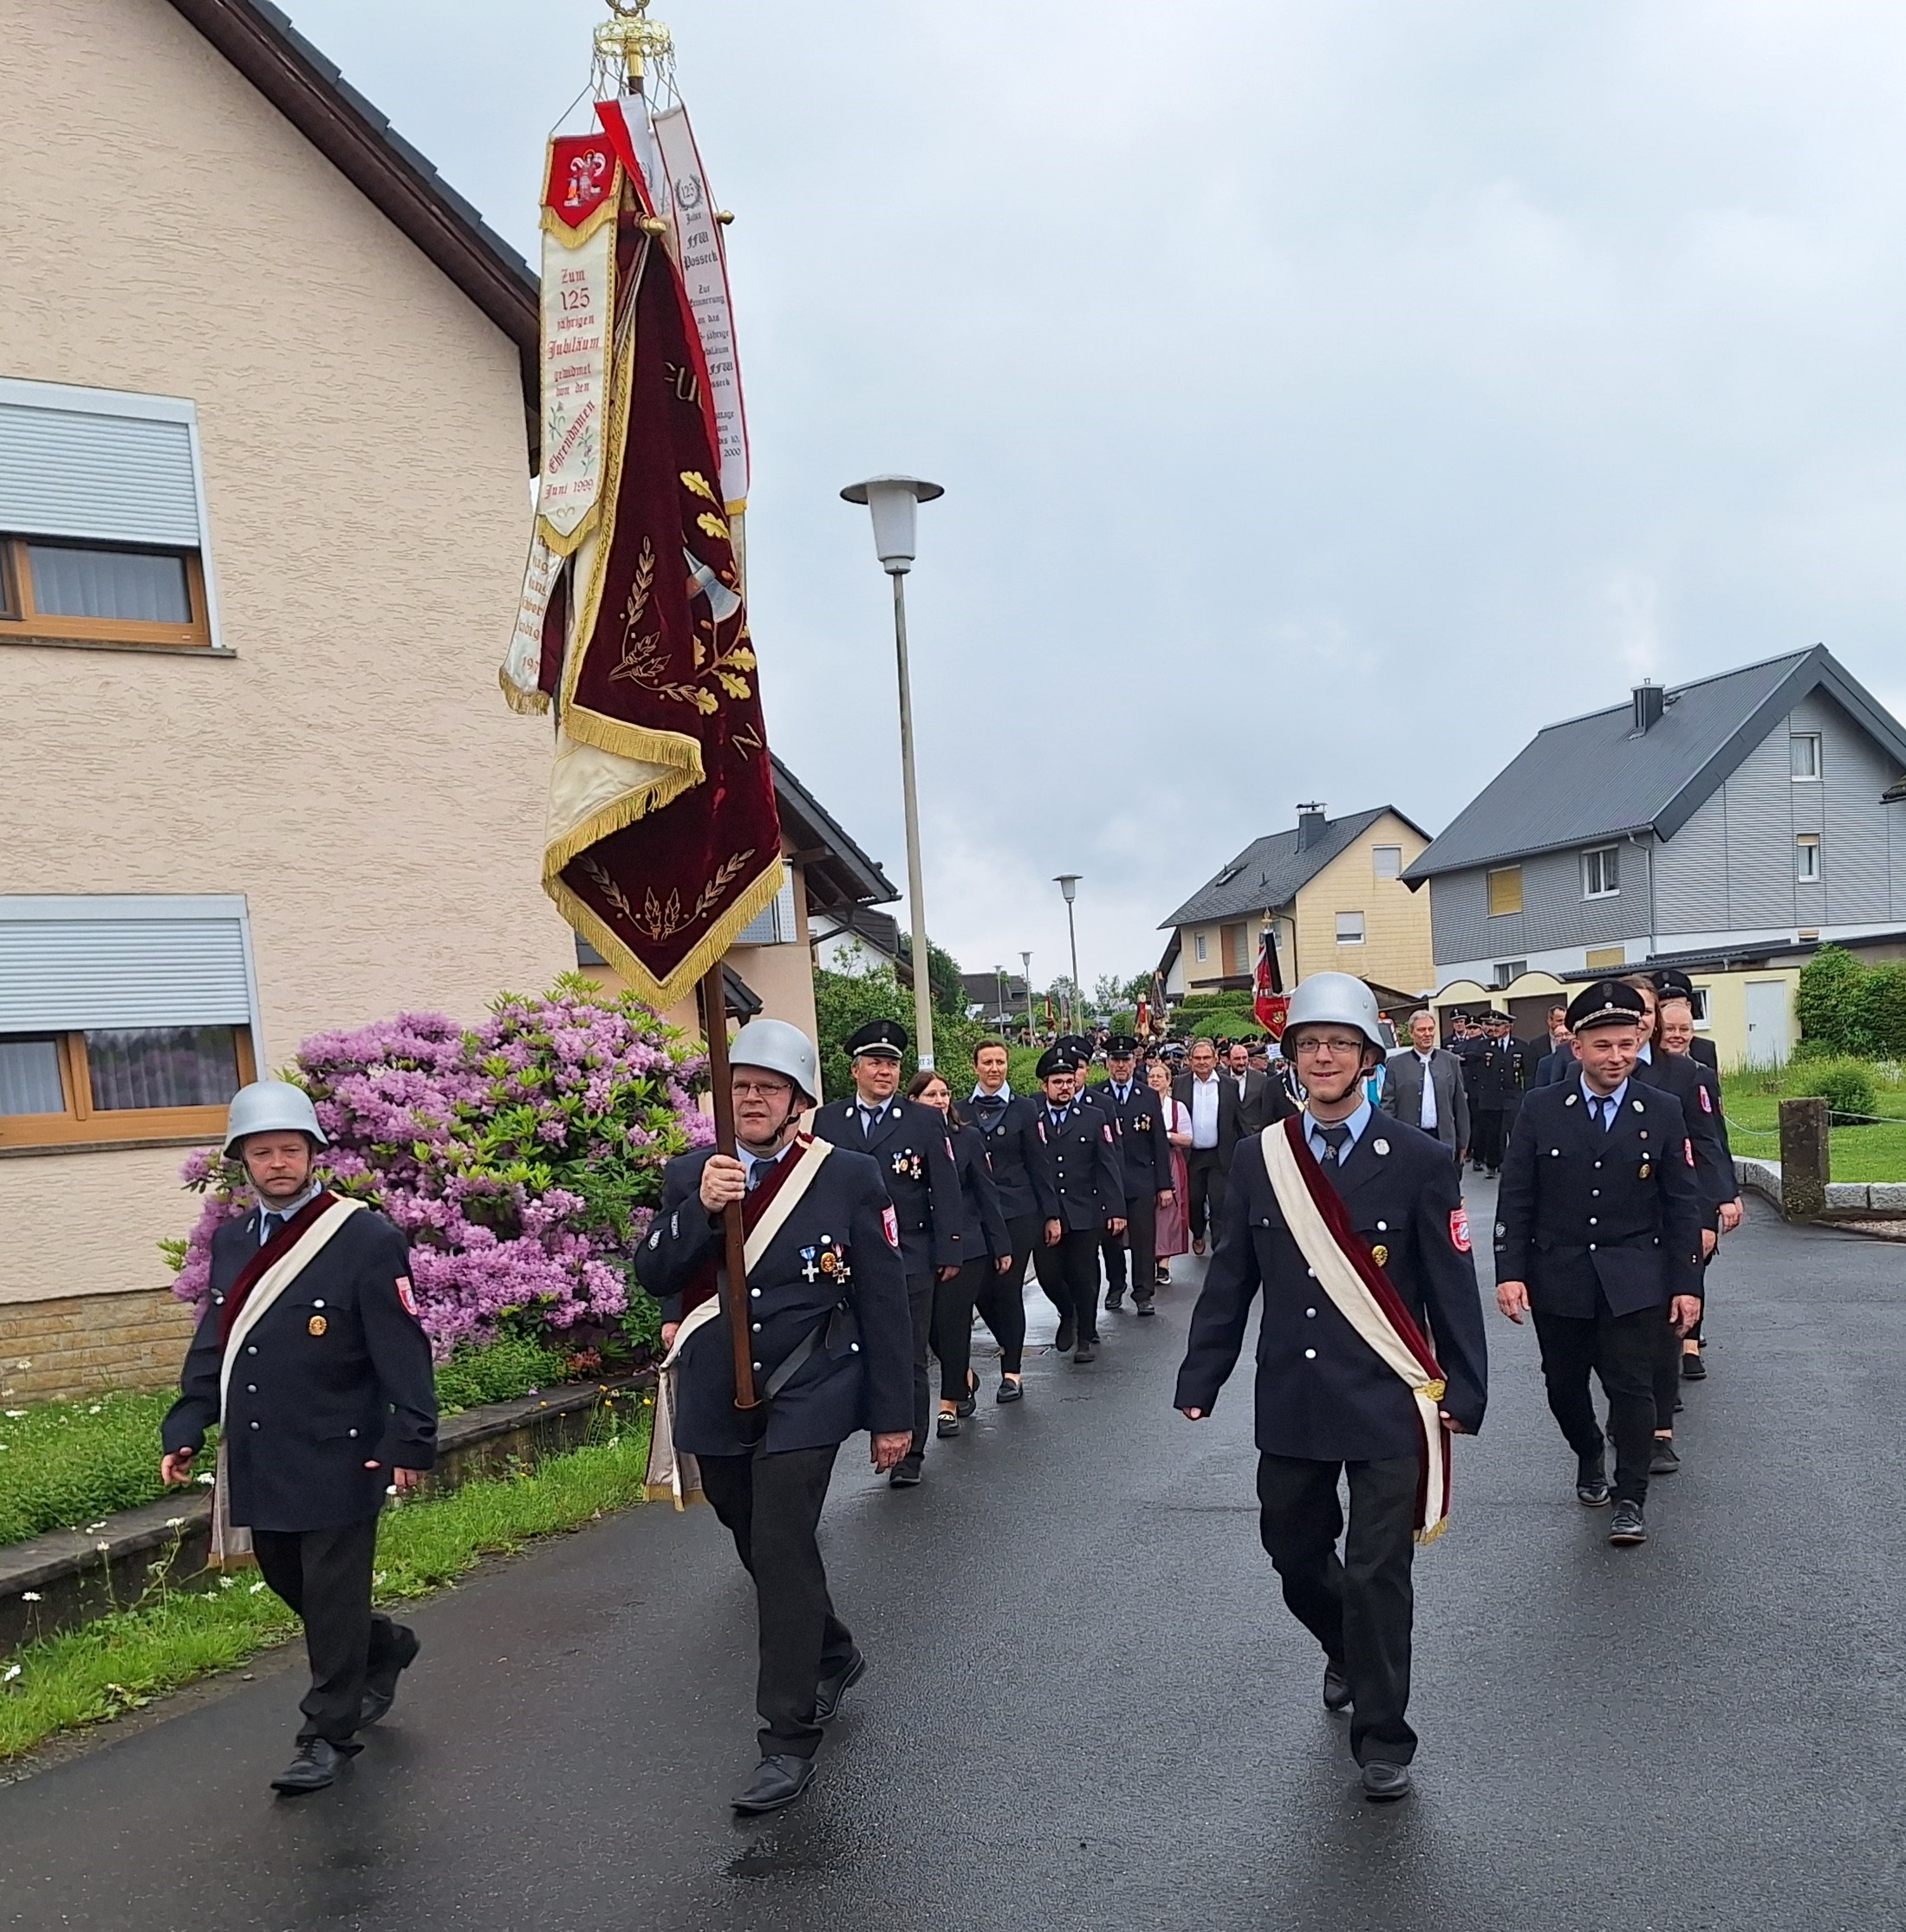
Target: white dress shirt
{"x":1426,"y":1118}
{"x":1204,"y":1112}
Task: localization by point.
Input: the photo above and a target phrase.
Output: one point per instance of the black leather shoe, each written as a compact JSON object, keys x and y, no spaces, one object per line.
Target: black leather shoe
{"x":777,"y":1780}
{"x":1664,"y":1461}
{"x":314,"y":1767}
{"x":905,"y":1474}
{"x":1115,"y":1300}
{"x":1062,"y":1342}
{"x":1385,"y":1782}
{"x":1591,"y":1482}
{"x":380,"y":1691}
{"x":830,"y":1690}
{"x":1337,"y":1690}
{"x":1629,"y":1526}
{"x":1084,"y":1352}
{"x":1693,"y":1368}
{"x":1145,"y":1307}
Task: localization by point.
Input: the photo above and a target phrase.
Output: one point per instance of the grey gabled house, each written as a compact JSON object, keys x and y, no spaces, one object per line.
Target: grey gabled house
{"x":1698,"y":820}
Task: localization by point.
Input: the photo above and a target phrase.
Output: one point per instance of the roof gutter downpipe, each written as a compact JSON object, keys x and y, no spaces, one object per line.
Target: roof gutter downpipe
{"x":1654,"y":938}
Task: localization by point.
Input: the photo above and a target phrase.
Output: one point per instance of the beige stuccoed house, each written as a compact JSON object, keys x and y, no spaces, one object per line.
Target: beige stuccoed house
{"x":262,"y":491}
{"x":1330,"y":890}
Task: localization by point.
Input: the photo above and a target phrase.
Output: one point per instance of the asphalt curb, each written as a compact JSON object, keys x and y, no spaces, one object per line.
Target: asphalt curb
{"x":67,"y":1578}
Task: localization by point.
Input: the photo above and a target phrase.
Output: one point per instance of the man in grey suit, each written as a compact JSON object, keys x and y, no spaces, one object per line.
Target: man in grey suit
{"x":1424,"y":1087}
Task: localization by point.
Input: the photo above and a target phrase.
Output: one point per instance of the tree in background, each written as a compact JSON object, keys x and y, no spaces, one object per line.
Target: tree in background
{"x":845,"y":1002}
{"x":1848,"y":1007}
{"x":946,"y":985}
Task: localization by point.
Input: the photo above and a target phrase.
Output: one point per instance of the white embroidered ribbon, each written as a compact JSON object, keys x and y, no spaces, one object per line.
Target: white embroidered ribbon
{"x":1336,"y":1274}
{"x":673,"y":1472}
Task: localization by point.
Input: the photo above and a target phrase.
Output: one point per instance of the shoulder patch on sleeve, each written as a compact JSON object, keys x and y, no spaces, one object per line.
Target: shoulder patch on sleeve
{"x":1106,"y":1130}
{"x":949,"y":1147}
{"x":890,"y":1227}
{"x":1707,"y":1104}
{"x":407,"y":1295}
{"x":1688,"y":1149}
{"x":1458,"y":1229}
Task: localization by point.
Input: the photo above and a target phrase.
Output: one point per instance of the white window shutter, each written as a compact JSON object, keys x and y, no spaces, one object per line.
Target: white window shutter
{"x":87,"y":965}
{"x":97,"y":466}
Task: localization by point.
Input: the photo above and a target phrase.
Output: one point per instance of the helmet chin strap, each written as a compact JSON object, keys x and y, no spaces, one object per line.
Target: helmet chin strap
{"x":798,"y":1104}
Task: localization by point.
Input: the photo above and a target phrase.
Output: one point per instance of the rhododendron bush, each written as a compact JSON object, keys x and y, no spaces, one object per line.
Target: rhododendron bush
{"x":522,"y":1159}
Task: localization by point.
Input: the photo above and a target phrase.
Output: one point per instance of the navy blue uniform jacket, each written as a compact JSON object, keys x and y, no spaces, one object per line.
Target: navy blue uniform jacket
{"x":1697,"y":1087}
{"x":307,"y":1411}
{"x":914,"y":1155}
{"x":1581,"y":1211}
{"x":1144,"y":1147}
{"x":862,"y":1378}
{"x":1323,"y":1394}
{"x":983,"y":1234}
{"x":1011,"y":1145}
{"x":1076,"y":1173}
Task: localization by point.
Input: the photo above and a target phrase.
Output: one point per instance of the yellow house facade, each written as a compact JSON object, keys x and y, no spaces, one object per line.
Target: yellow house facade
{"x":1330,"y":890}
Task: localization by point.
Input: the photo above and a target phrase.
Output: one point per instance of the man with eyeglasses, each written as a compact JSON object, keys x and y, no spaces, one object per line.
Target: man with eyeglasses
{"x":833,"y":1347}
{"x":1599,"y":1236}
{"x":1351,"y":1224}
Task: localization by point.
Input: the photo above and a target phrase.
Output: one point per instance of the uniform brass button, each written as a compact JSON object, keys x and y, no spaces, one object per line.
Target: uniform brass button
{"x":758,"y":1328}
{"x":1312,"y":1273}
{"x":319,"y":1303}
{"x":1591,"y":1221}
{"x":1383,"y":1227}
{"x":354,"y":1431}
{"x":251,"y":1351}
{"x":1595,"y":1193}
{"x":1309,"y":1355}
{"x":254,"y":1425}
{"x":1591,"y":1247}
{"x":855,"y":1346}
{"x":757,"y":1365}
{"x":251,"y":1388}
{"x":756,"y":1293}
{"x":1311,"y":1313}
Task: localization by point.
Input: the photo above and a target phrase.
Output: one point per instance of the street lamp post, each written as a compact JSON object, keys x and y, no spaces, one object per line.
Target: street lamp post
{"x":1025,"y":967}
{"x":1068,"y":882}
{"x":893,"y":502}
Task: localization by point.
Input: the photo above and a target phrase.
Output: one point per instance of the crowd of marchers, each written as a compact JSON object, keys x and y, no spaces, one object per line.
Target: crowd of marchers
{"x":1320,"y":1181}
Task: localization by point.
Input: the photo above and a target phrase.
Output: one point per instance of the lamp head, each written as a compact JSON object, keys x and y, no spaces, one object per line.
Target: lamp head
{"x":1068,"y":882}
{"x":893,"y":501}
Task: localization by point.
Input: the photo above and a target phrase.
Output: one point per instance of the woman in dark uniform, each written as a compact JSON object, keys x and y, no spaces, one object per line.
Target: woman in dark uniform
{"x":984,"y":1239}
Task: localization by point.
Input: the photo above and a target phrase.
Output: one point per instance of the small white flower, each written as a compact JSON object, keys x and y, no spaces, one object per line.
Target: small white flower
{"x":255,"y":1589}
{"x":96,"y":1408}
{"x":9,"y":1673}
{"x":379,"y":1576}
{"x":226,"y":1583}
{"x":208,"y":1477}
{"x":102,"y":1545}
{"x":100,"y":1525}
{"x":175,"y":1522}
{"x":14,"y":1414}
{"x":29,"y":1595}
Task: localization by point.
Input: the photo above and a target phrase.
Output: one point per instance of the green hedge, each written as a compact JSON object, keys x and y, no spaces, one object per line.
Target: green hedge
{"x":1848,"y":1008}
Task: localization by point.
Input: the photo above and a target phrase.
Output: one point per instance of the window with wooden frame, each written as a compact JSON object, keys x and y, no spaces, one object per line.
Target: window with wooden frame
{"x":121,"y":1084}
{"x":101,"y":520}
{"x":1504,"y":891}
{"x":122,"y":1017}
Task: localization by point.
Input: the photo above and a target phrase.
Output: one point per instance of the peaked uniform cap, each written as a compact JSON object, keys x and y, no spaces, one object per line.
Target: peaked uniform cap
{"x":1055,"y":1059}
{"x":1607,"y":1002}
{"x":880,"y":1039}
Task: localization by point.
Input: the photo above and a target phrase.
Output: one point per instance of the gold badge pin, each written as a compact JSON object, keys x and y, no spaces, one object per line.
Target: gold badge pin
{"x":1380,"y":1255}
{"x":317,"y":1325}
{"x":1646,"y":1170}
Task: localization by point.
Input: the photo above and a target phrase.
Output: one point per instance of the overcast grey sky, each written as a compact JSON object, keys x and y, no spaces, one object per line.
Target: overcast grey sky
{"x":1326,"y":397}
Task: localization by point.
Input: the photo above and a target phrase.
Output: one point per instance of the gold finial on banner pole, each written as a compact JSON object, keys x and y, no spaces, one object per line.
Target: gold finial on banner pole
{"x":632,"y":39}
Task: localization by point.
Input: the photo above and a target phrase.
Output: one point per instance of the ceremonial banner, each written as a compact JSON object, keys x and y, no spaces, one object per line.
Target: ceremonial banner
{"x":534,"y":660}
{"x":663,"y":841}
{"x":580,"y":195}
{"x":1269,"y":1000}
{"x":702,"y":257}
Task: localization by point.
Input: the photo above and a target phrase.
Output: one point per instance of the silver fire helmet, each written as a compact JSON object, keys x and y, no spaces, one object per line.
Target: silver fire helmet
{"x":1336,"y":999}
{"x":781,"y":1048}
{"x":271,"y":1107}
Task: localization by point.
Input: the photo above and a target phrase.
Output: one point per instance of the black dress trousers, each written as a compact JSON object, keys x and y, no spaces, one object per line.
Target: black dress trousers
{"x":325,"y":1576}
{"x":1623,"y":1350}
{"x":1068,"y":1273}
{"x":770,"y":1505}
{"x":1359,"y":1606}
{"x":1001,"y":1301}
{"x":919,"y":1307}
{"x":1140,"y":1241}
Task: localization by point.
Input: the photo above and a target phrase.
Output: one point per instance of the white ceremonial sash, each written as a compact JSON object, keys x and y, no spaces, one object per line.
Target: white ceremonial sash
{"x":673,"y":1472}
{"x":1338,"y":1277}
{"x":231,"y":1542}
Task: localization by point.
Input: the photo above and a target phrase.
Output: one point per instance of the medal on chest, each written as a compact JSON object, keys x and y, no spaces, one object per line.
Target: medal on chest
{"x":908,"y":1165}
{"x":826,"y":1261}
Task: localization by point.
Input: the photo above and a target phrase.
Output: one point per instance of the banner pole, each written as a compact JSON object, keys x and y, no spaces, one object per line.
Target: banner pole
{"x":714,"y":1015}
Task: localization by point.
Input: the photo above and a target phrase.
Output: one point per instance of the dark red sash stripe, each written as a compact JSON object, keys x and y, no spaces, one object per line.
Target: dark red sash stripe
{"x":273,"y":1252}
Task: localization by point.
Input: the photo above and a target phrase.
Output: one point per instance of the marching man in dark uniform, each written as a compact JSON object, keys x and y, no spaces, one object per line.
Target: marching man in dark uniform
{"x":1370,"y":1353}
{"x":1138,"y":1118}
{"x":916,"y":1162}
{"x":308,"y":1350}
{"x":1005,"y":1120}
{"x":1598,"y":1223}
{"x":827,"y":1292}
{"x":1080,"y":1184}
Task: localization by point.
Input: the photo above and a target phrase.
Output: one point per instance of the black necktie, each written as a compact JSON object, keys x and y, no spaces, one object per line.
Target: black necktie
{"x":269,"y":1226}
{"x":756,"y":1169}
{"x":1333,"y":1139}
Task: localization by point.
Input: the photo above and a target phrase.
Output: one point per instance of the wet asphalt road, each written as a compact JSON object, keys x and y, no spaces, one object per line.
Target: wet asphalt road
{"x":1086,"y":1707}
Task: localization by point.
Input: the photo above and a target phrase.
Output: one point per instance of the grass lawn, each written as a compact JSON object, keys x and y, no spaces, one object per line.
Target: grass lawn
{"x":119,"y":1663}
{"x":64,"y":1465}
{"x":1875,"y":1153}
